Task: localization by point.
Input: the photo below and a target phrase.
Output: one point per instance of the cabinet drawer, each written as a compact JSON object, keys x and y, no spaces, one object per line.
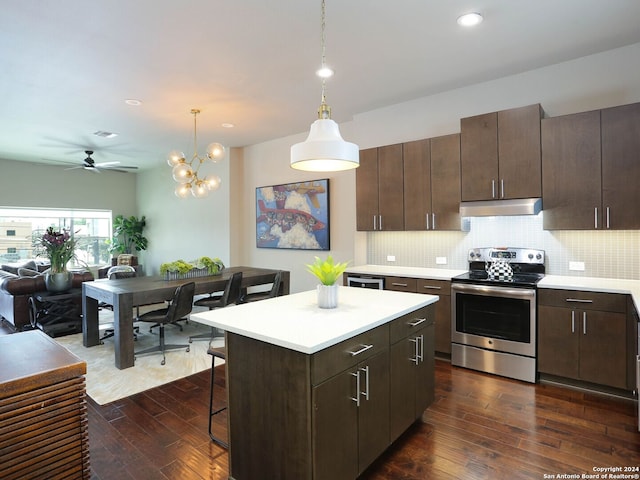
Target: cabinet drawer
{"x":582,"y":300}
{"x":401,"y":284}
{"x":412,"y":322}
{"x":339,"y":357}
{"x":434,"y":287}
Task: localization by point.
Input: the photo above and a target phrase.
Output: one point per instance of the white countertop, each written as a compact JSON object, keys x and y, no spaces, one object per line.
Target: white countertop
{"x":295,"y":321}
{"x":414,"y":272}
{"x":594,"y":284}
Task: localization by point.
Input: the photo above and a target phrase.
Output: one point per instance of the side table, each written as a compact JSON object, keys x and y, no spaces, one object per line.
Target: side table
{"x":43,"y":410}
{"x":56,"y":313}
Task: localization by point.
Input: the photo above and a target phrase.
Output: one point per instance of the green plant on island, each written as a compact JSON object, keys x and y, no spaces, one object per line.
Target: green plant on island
{"x":327,"y":271}
{"x":213,"y":265}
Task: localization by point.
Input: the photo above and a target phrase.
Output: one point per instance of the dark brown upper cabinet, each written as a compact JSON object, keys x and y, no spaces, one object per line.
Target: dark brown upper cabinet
{"x":379,"y":189}
{"x":620,"y":129}
{"x":591,"y":170}
{"x":500,"y":155}
{"x":432,"y":183}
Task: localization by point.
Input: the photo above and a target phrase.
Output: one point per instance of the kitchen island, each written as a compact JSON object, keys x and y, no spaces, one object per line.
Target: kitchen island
{"x":320,"y":394}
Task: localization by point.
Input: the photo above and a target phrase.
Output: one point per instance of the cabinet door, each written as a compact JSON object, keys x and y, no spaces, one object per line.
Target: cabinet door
{"x":417,"y":185}
{"x":621,"y":166}
{"x":479,"y":157}
{"x":390,"y":187}
{"x":367,"y":190}
{"x":603,"y":348}
{"x":373,"y":413}
{"x":571,"y":172}
{"x":558,"y":347}
{"x":445,"y":182}
{"x":335,"y":427}
{"x":519,"y":160}
{"x":402,"y":387}
{"x":425,"y":371}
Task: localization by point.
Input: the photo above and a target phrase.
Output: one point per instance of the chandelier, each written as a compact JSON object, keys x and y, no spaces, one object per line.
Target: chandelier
{"x":186,"y":172}
{"x":324,"y":150}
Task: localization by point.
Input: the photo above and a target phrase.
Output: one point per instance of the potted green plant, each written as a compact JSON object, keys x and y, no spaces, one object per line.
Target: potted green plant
{"x":127,"y":235}
{"x":203,"y":266}
{"x":328,"y":272}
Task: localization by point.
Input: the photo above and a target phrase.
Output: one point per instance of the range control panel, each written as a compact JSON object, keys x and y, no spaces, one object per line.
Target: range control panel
{"x":508,"y":254}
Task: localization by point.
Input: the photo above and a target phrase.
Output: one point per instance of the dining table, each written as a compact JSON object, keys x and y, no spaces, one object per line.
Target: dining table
{"x":126,"y":293}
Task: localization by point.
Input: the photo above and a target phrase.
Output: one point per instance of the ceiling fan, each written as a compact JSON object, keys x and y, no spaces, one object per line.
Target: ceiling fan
{"x":90,"y":164}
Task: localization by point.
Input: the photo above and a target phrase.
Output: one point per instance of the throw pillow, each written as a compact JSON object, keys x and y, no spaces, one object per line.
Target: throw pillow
{"x":27,"y":272}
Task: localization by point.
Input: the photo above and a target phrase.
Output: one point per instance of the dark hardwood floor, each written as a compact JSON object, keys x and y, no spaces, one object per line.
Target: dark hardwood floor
{"x":479,"y":427}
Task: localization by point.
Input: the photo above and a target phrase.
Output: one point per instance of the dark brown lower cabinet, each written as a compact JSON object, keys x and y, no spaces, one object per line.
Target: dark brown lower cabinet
{"x":412,"y":375}
{"x":326,"y":415}
{"x":583,"y":336}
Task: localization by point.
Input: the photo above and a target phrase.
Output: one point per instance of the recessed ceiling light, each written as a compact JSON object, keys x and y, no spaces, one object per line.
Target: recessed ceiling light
{"x":469,"y":19}
{"x":104,"y":134}
{"x":228,"y":125}
{"x":133,"y":102}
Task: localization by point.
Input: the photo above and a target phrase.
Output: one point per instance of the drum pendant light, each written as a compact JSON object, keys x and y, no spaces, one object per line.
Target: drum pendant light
{"x":324,"y":150}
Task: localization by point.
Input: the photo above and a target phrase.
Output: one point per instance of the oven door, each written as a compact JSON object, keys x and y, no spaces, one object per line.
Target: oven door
{"x":494,"y":318}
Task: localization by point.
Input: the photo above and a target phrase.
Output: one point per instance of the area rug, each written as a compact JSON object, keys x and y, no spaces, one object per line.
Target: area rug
{"x":105,"y":383}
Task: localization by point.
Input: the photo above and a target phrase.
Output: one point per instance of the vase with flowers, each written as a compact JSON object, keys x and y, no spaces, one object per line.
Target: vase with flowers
{"x":328,"y":272}
{"x":59,"y":248}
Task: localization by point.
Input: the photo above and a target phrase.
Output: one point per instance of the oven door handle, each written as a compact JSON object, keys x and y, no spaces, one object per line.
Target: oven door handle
{"x":491,"y":291}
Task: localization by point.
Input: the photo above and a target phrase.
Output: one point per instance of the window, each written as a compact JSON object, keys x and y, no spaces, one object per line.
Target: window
{"x":91,"y":228}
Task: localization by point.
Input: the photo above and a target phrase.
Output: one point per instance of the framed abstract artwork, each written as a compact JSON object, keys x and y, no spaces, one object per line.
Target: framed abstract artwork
{"x":293,"y":215}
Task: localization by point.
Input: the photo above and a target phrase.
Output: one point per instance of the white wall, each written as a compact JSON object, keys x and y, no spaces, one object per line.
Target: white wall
{"x":184,"y":228}
{"x":603,"y":80}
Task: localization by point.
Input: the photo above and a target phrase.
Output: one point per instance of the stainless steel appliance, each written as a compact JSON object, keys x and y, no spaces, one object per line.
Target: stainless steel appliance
{"x":364,"y":281}
{"x":494,"y":312}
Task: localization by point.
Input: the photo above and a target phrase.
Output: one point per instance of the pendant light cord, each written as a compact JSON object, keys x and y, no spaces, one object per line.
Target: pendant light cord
{"x":324,"y":111}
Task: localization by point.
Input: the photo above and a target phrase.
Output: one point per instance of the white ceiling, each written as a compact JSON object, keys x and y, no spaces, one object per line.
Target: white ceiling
{"x":67,"y":66}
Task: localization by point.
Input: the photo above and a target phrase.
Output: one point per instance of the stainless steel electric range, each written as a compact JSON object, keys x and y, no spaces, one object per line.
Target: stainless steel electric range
{"x":494,"y":312}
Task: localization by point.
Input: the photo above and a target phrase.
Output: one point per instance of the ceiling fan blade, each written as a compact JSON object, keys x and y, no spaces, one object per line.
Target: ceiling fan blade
{"x":75,"y":168}
{"x":105,"y":164}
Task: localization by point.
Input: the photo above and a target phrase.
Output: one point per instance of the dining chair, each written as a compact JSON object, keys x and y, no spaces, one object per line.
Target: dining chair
{"x":114,"y":273}
{"x":179,"y":307}
{"x":274,"y":291}
{"x":230,"y":296}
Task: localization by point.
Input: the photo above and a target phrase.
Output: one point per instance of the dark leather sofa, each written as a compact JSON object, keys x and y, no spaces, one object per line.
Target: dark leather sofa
{"x":15,"y":291}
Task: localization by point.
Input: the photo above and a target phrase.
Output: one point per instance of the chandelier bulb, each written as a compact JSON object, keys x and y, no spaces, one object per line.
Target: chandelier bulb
{"x":182,"y":191}
{"x":215,"y":152}
{"x":175,"y":157}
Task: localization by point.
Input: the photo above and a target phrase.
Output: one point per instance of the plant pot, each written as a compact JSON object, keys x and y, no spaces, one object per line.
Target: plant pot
{"x":328,"y":296}
{"x":58,"y":282}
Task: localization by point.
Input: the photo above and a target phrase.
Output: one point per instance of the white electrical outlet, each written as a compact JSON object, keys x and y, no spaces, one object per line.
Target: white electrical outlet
{"x":441,"y":260}
{"x":577,"y":266}
{"x":391,"y":258}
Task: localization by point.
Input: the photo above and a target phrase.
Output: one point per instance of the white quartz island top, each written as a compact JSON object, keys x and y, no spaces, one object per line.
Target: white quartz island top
{"x":297,"y":323}
{"x":414,"y":272}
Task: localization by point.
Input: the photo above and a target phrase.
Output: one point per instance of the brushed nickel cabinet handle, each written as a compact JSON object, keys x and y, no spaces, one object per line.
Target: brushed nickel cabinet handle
{"x":573,"y":321}
{"x":374,"y":223}
{"x":432,"y":287}
{"x":493,"y":189}
{"x":366,"y":381}
{"x":357,"y":397}
{"x":578,"y":300}
{"x":416,"y":355}
{"x":595,"y":217}
{"x":502,"y":188}
{"x":399,"y":284}
{"x":380,"y":218}
{"x":608,"y":223}
{"x":363,"y":349}
{"x":417,"y":322}
{"x":584,"y":323}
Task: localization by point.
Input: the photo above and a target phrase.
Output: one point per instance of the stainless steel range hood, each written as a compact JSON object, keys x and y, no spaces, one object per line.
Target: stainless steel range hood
{"x":494,"y":208}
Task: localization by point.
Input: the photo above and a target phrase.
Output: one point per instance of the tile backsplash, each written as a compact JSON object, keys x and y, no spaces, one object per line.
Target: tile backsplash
{"x":613,"y":253}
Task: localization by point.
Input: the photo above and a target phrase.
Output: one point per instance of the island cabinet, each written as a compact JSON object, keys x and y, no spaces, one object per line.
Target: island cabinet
{"x":500,"y":155}
{"x":591,"y":165}
{"x":329,"y":414}
{"x":584,"y":336}
{"x":379,"y":189}
{"x":432,"y":183}
{"x":412,"y":369}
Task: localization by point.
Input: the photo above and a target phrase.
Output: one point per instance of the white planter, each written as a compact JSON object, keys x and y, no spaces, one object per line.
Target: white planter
{"x":328,"y":296}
